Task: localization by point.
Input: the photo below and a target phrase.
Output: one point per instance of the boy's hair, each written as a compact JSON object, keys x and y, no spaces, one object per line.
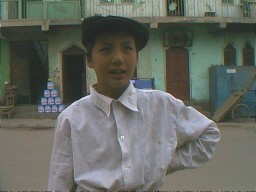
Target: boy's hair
{"x":95,"y":26}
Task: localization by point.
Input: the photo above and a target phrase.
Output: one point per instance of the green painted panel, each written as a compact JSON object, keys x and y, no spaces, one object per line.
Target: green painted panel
{"x":4,"y":63}
{"x":34,"y":10}
{"x":157,"y":58}
{"x":59,"y":10}
{"x":53,"y":10}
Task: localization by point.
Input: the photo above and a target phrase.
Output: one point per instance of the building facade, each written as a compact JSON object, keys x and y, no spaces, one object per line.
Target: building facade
{"x":41,"y":40}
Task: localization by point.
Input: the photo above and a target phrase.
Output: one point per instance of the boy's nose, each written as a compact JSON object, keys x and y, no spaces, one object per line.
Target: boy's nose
{"x":117,"y":57}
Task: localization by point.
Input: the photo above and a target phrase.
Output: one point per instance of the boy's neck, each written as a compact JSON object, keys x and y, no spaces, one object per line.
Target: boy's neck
{"x":112,"y":94}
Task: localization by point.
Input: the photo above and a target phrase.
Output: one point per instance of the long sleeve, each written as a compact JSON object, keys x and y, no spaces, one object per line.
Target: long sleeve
{"x":197,"y":137}
{"x":61,"y":167}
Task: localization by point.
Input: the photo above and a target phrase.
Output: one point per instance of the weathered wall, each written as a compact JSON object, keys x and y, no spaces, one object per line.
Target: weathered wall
{"x":59,"y":41}
{"x":207,"y":50}
{"x":4,"y":63}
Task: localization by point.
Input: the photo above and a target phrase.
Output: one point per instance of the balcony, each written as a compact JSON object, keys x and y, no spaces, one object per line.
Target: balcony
{"x":15,"y":11}
{"x":38,"y":9}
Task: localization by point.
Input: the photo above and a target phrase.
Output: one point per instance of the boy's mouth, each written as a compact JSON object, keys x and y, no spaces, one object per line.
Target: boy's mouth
{"x":117,"y":72}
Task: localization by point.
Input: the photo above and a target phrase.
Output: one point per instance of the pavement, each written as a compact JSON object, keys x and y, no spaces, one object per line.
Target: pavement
{"x":27,"y":123}
{"x":26,"y":144}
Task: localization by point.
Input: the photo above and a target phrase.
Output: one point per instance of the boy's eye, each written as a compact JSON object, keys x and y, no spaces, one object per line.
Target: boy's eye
{"x":104,"y":49}
{"x":129,"y":47}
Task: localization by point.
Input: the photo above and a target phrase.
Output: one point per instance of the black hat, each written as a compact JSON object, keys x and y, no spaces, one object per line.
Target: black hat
{"x":96,"y":25}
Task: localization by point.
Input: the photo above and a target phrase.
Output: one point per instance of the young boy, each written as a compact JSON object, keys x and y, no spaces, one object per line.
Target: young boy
{"x":119,"y":137}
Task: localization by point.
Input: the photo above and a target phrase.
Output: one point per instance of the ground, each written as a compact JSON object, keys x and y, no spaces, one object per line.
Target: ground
{"x":25,"y":157}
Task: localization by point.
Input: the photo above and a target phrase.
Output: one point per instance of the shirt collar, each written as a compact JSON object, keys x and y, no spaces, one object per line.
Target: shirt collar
{"x":129,"y":99}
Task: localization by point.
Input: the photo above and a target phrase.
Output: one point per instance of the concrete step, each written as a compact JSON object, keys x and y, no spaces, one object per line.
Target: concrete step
{"x":30,"y":111}
{"x":26,"y":108}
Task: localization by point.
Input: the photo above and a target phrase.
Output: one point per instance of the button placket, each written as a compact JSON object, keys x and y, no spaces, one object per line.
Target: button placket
{"x":118,"y":114}
{"x":121,"y":130}
{"x":126,"y":171}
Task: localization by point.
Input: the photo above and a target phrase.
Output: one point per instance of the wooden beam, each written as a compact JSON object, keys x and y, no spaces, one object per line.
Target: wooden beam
{"x":154,"y":25}
{"x":45,"y":25}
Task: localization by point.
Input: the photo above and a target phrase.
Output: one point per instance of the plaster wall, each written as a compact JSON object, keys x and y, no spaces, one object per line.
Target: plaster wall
{"x":206,"y":50}
{"x":157,"y":58}
{"x":59,"y":41}
{"x":4,"y":64}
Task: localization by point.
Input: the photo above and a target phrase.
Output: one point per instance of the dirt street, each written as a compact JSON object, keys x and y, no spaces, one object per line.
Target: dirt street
{"x":24,"y":159}
{"x":25,"y":156}
{"x":233,"y":168}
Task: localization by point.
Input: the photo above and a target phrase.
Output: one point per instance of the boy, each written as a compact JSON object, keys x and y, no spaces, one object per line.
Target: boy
{"x":118,"y":137}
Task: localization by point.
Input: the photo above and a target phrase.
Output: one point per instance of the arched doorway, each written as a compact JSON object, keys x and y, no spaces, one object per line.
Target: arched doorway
{"x":177,"y":72}
{"x":73,"y":74}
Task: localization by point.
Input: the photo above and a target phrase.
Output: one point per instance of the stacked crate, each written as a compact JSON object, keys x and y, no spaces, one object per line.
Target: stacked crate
{"x":51,"y":101}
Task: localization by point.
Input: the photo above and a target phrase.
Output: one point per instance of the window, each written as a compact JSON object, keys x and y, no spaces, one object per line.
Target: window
{"x":227,"y":2}
{"x":229,"y":55}
{"x":248,"y":55}
{"x":106,"y":1}
{"x":127,"y":1}
{"x":176,"y":8}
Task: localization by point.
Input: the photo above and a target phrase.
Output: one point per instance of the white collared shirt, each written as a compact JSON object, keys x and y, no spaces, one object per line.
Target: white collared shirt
{"x":128,"y":144}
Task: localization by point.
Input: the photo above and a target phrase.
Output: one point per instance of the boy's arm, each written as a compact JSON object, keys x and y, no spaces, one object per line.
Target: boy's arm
{"x":197,"y":137}
{"x":61,"y":167}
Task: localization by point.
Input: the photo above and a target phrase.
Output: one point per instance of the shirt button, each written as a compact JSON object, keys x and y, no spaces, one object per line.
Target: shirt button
{"x":122,"y":137}
{"x":126,"y":170}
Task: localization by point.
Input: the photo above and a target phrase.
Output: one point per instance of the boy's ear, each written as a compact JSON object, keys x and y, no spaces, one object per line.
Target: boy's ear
{"x":89,"y":63}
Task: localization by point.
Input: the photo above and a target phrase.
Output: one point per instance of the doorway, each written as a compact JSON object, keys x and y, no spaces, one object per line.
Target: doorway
{"x":177,"y":72}
{"x":73,"y":74}
{"x":29,"y":70}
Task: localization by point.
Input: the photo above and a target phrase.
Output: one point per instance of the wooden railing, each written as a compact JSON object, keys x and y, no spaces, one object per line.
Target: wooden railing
{"x":70,"y":9}
{"x":32,"y":9}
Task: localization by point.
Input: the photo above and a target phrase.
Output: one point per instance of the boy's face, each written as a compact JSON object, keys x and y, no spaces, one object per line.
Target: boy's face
{"x":114,"y":58}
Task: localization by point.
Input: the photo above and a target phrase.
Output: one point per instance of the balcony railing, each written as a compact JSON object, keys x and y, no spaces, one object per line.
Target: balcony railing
{"x":39,"y":9}
{"x":70,"y":9}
